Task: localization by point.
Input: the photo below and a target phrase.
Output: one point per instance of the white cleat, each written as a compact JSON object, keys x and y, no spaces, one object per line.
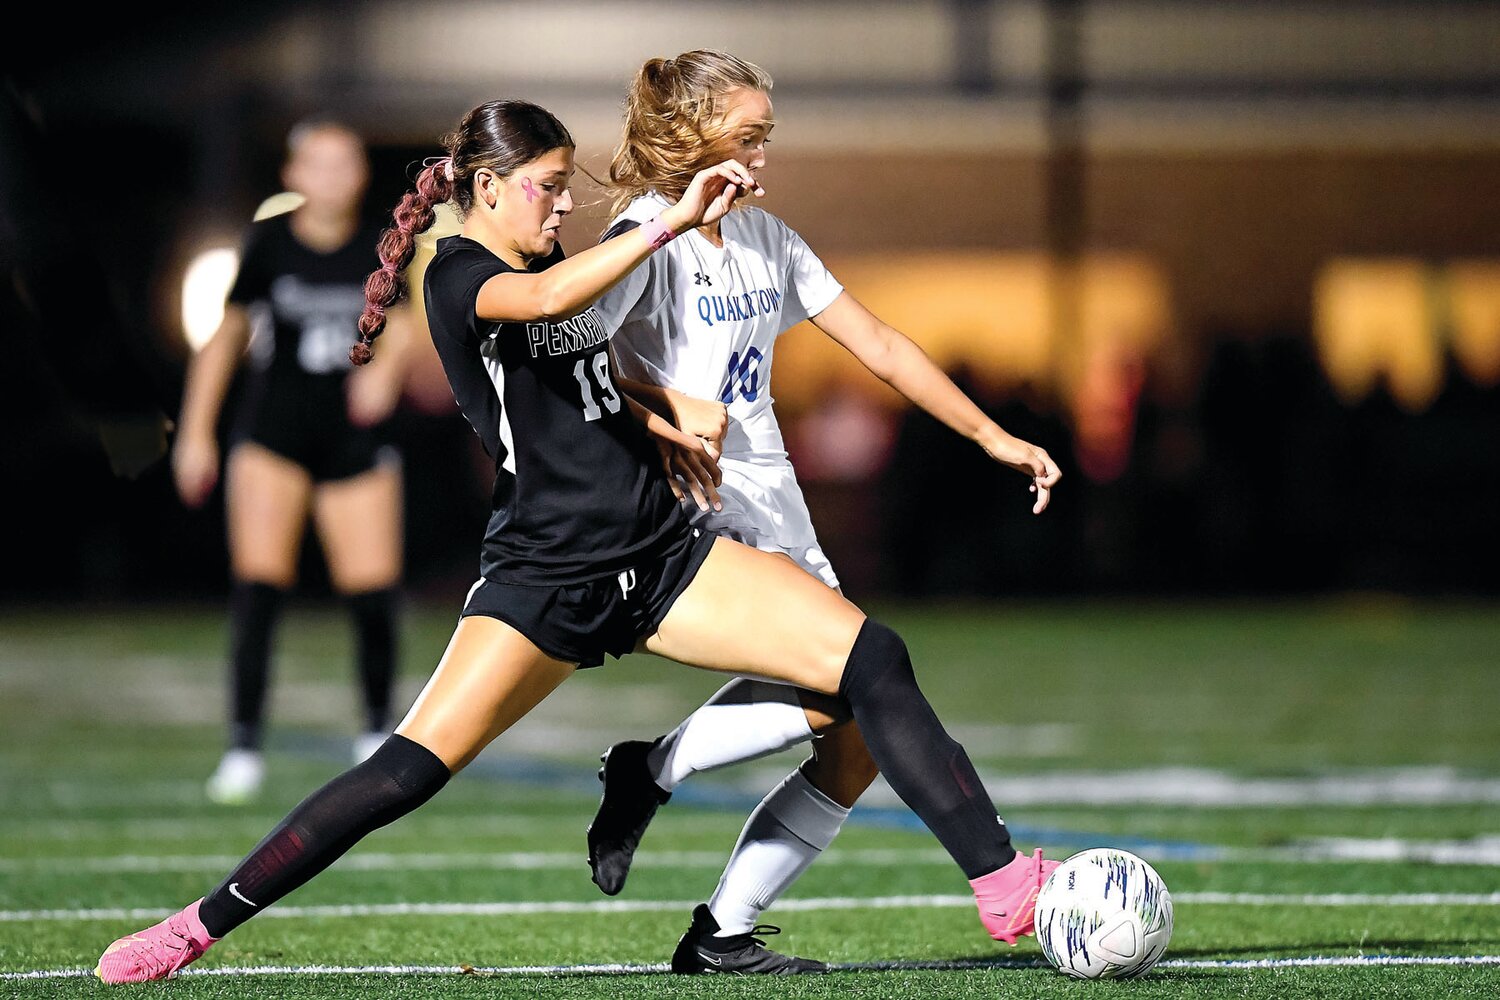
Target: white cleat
{"x":237,"y":779}
{"x":366,"y":744}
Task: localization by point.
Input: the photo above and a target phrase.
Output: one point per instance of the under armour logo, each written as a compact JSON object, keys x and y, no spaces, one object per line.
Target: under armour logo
{"x":699,"y":278}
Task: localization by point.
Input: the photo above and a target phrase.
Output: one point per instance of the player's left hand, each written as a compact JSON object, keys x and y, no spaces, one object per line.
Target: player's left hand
{"x":703,"y":418}
{"x":1025,"y":458}
{"x":711,"y":194}
{"x":691,"y":469}
{"x":372,"y":395}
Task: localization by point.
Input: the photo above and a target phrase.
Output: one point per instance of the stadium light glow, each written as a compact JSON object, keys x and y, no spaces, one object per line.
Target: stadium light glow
{"x":279,"y":204}
{"x":204,"y":287}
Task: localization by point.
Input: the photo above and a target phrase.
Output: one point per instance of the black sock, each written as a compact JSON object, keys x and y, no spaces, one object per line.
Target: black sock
{"x":252,"y":619}
{"x":375,"y":637}
{"x":926,"y":767}
{"x":400,"y":776}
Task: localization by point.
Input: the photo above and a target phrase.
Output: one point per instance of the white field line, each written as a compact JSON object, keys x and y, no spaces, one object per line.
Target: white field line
{"x":1180,"y":787}
{"x":1201,"y":788}
{"x":511,"y":909}
{"x":253,"y":825}
{"x":1315,"y":961}
{"x":503,"y":861}
{"x":1479,"y":851}
{"x":1482,"y":850}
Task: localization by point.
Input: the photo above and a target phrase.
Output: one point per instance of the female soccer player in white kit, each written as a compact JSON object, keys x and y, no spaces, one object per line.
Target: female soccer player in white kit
{"x":698,"y":328}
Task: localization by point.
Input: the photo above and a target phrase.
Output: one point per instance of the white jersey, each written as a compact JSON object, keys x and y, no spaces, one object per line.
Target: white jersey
{"x":703,"y":320}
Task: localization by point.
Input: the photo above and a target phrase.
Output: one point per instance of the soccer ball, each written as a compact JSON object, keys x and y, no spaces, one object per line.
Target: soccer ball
{"x":1104,"y":914}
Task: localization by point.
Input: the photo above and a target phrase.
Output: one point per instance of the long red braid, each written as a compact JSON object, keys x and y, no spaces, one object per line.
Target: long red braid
{"x":398,"y":244}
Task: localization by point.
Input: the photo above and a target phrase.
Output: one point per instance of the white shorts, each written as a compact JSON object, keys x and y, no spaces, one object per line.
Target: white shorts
{"x":764,"y":508}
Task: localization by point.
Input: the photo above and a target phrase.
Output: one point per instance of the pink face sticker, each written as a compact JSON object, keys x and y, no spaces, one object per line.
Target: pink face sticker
{"x":529,"y":190}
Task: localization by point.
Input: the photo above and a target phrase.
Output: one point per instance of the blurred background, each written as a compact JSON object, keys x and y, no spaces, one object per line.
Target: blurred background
{"x":1236,"y":265}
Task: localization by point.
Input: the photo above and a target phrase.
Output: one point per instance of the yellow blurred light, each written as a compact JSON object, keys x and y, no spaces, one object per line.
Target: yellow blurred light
{"x":1374,"y":319}
{"x":204,"y":287}
{"x":1474,"y":309}
{"x":991,"y":312}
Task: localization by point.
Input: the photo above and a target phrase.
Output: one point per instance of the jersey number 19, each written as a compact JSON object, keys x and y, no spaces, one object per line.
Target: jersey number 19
{"x":600,"y":364}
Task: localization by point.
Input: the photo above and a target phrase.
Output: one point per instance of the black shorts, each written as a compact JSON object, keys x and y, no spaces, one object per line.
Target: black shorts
{"x":309,"y":424}
{"x":579,"y":623}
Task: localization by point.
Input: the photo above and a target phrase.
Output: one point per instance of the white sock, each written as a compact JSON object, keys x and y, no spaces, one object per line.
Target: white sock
{"x":786,"y":832}
{"x":746,"y":719}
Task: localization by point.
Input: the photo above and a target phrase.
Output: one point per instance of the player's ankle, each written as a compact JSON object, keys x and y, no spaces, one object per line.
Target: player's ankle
{"x":195,"y":926}
{"x":1001,"y":876}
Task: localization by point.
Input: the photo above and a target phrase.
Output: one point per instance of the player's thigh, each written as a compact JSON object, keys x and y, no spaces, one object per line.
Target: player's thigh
{"x":751,"y":612}
{"x":267,"y":499}
{"x":823,"y":711}
{"x":490,"y":676}
{"x":359,"y":525}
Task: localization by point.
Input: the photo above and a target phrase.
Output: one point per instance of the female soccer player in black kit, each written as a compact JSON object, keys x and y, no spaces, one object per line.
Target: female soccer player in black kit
{"x":308,"y":438}
{"x":587,"y":551}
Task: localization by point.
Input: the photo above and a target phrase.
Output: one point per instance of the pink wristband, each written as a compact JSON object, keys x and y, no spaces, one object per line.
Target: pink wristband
{"x":657,"y":233}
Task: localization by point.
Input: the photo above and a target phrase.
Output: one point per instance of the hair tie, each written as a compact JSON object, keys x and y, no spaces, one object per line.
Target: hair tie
{"x":445,"y":163}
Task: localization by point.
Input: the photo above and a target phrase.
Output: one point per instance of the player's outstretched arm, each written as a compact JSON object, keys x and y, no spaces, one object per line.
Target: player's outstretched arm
{"x":572,"y":285}
{"x":900,"y":363}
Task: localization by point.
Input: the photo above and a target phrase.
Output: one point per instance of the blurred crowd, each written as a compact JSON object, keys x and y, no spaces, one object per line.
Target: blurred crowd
{"x":1262,"y":481}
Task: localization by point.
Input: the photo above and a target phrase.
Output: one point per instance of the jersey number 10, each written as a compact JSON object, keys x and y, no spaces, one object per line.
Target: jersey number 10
{"x":743,"y":377}
{"x":600,"y":365}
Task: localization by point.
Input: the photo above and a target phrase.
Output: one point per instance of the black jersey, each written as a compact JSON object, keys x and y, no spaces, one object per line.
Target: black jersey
{"x":579,"y":493}
{"x":304,"y":307}
{"x":303,"y":304}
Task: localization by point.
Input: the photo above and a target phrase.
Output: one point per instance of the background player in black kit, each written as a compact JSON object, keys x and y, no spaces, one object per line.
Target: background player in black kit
{"x":308,"y":438}
{"x":587,"y":551}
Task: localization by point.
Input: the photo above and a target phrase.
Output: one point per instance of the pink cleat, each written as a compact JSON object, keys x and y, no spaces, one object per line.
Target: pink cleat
{"x":1007,"y":897}
{"x":156,"y":952}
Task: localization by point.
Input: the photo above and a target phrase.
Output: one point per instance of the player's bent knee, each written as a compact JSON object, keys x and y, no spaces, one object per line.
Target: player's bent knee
{"x":413,"y":767}
{"x":825,"y":673}
{"x":455,"y":754}
{"x":827,"y":652}
{"x":879,"y":656}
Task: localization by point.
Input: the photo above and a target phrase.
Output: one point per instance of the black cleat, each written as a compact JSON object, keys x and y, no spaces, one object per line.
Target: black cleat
{"x":629,"y":801}
{"x":701,"y":951}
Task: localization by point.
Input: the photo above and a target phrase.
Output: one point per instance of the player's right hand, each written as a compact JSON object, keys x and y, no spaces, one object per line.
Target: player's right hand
{"x":711,"y":195}
{"x":195,"y":468}
{"x":1025,"y":458}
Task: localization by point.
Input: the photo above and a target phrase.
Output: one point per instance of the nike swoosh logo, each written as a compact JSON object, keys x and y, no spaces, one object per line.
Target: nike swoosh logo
{"x":711,"y":961}
{"x":1030,"y":896}
{"x":234,"y":890}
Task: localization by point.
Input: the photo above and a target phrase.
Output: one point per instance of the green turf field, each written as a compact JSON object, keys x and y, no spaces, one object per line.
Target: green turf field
{"x":1314,"y":781}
